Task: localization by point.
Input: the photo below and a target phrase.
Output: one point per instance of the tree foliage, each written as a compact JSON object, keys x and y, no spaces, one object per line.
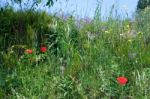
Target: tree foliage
{"x":48,"y":2}
{"x":30,"y":4}
{"x":142,"y":4}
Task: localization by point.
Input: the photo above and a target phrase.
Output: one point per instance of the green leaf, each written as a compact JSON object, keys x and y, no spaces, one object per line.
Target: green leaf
{"x":50,"y":2}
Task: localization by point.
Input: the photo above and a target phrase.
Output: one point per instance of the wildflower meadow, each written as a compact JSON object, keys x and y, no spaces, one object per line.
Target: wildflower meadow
{"x":47,"y":56}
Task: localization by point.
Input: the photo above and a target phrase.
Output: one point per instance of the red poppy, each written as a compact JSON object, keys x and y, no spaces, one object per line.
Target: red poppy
{"x":43,"y":49}
{"x":29,"y":51}
{"x":122,"y":80}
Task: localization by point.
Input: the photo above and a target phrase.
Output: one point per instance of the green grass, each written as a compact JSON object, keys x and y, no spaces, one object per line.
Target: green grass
{"x":80,"y":62}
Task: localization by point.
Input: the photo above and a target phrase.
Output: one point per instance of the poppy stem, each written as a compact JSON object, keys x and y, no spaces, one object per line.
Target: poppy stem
{"x":122,"y":92}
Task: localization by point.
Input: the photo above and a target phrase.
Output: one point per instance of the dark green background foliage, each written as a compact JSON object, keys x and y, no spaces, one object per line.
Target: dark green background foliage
{"x":23,"y":28}
{"x":143,"y":4}
{"x":14,"y":27}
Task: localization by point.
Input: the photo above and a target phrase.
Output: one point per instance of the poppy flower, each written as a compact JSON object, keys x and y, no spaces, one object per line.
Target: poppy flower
{"x":29,"y":51}
{"x":122,"y":80}
{"x":43,"y":49}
